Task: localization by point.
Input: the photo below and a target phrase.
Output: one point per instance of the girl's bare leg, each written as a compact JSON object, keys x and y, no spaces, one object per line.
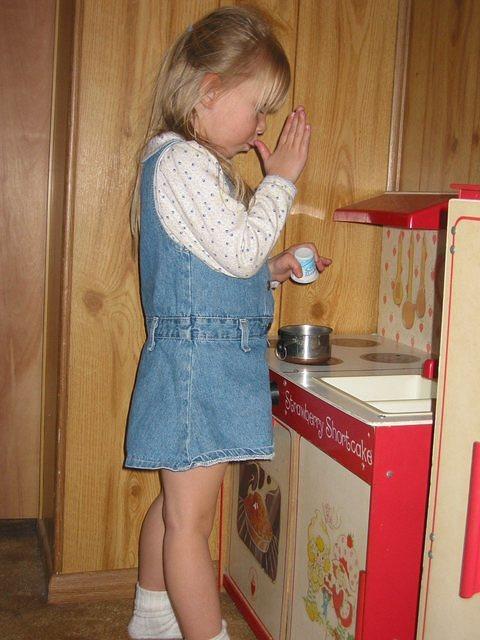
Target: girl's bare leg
{"x":190,"y":499}
{"x":150,"y":566}
{"x":153,"y":615}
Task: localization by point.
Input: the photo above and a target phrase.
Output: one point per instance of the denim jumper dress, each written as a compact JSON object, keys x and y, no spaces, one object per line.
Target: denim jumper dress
{"x":202,"y":392}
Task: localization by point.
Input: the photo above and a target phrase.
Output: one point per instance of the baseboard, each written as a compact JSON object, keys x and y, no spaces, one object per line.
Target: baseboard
{"x":92,"y":586}
{"x":45,"y":545}
{"x":17,"y":527}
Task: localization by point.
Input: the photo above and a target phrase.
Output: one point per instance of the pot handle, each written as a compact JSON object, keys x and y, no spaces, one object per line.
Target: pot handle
{"x":281,"y":351}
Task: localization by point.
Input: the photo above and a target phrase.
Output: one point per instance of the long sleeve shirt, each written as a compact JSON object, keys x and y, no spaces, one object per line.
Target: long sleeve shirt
{"x":194,"y":203}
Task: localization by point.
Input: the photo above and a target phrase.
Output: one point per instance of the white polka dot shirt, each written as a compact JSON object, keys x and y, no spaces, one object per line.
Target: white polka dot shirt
{"x":193,"y":202}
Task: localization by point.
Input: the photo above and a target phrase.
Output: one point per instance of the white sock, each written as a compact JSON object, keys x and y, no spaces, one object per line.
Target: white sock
{"x":153,"y":617}
{"x":223,"y":635}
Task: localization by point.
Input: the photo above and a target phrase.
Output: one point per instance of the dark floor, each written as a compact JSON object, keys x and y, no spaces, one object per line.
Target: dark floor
{"x":24,"y":614}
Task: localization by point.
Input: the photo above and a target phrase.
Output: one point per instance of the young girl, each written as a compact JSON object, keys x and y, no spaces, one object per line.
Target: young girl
{"x":201,"y":396}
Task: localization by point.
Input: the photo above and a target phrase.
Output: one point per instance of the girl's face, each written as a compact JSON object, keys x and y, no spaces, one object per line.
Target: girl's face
{"x":231,"y":120}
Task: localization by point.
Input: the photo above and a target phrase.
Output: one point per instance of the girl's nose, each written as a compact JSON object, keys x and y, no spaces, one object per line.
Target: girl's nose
{"x":261,"y":124}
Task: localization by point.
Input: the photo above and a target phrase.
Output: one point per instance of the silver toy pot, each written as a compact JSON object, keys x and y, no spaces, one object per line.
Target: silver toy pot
{"x":304,"y":343}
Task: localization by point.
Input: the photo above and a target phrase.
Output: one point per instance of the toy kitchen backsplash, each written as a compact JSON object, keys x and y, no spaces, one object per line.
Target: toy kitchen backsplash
{"x":411,"y":287}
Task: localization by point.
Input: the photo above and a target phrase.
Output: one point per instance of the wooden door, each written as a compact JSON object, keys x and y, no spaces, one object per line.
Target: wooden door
{"x":330,"y":547}
{"x":259,"y":559}
{"x":26,"y":62}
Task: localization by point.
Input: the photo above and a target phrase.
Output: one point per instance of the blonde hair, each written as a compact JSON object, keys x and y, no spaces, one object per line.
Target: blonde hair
{"x":234,"y":43}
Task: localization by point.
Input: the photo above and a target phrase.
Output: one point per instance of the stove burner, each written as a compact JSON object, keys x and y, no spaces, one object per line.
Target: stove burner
{"x":401,"y":358}
{"x":331,"y":362}
{"x":353,"y":342}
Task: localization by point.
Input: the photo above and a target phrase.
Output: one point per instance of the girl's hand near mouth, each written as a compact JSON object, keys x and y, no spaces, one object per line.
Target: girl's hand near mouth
{"x":291,"y":152}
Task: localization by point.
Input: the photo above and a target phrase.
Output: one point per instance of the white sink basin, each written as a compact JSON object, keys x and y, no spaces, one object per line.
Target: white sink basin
{"x":390,"y":394}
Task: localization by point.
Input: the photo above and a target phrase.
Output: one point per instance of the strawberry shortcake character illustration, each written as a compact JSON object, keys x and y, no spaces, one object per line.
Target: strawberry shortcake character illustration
{"x":333,"y":574}
{"x":342,"y":581}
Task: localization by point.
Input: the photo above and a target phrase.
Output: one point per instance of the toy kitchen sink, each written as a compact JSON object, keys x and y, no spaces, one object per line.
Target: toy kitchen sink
{"x":391,"y":395}
{"x":327,"y":538}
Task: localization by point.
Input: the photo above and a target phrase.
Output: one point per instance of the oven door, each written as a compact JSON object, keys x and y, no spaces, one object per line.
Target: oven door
{"x":256,"y":574}
{"x":330,"y":547}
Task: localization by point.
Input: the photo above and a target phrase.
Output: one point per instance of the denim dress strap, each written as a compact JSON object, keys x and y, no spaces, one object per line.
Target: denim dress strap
{"x":159,"y":151}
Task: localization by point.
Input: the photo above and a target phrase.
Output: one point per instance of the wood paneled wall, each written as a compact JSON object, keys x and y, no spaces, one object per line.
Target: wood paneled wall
{"x":26,"y":58}
{"x":441,"y":129}
{"x":344,"y":58}
{"x":118,"y":54}
{"x":338,"y":46}
{"x":119,"y":49}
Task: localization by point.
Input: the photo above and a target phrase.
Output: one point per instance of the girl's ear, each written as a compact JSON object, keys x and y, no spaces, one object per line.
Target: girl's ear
{"x":210,"y":88}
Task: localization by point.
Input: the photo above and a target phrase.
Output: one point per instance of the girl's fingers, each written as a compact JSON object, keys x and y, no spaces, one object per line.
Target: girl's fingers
{"x":302,"y":128}
{"x":293,"y":129}
{"x":323,"y":263}
{"x":286,"y":129}
{"x":305,"y":141}
{"x":290,"y":141}
{"x":290,"y":155}
{"x":263,"y":150}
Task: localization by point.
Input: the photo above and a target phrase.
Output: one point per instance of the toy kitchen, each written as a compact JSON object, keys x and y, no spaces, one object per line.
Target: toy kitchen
{"x":327,"y":540}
